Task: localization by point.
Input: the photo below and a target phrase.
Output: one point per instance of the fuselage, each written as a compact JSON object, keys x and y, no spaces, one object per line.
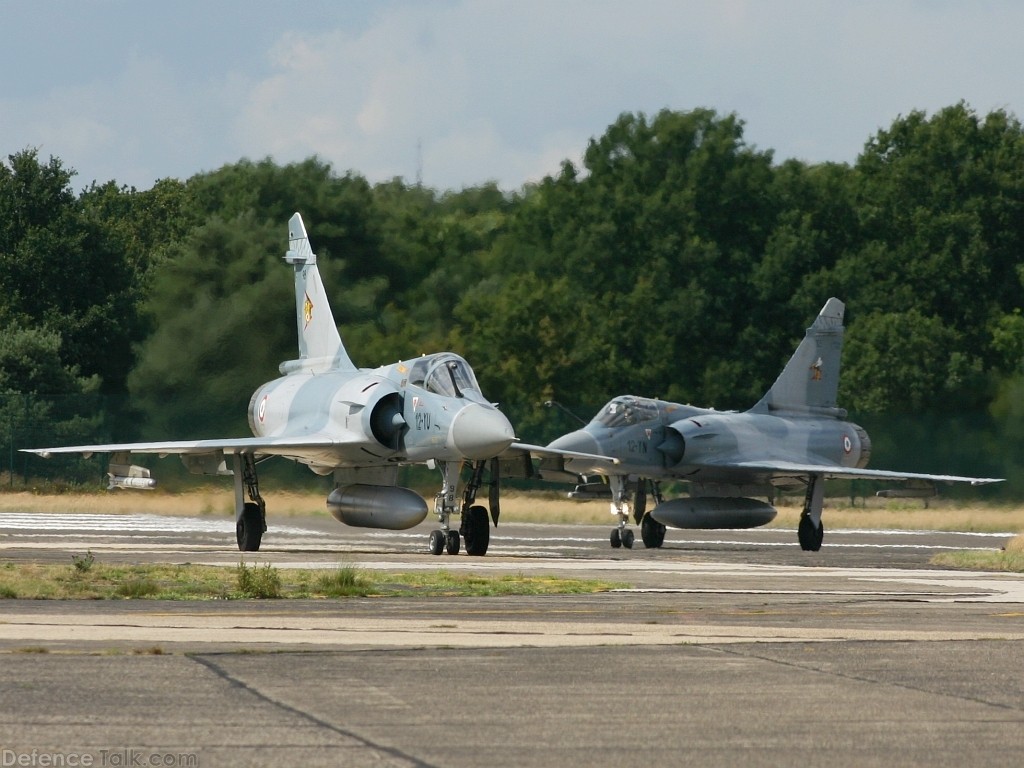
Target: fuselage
{"x":659,"y":439}
{"x":406,"y":412}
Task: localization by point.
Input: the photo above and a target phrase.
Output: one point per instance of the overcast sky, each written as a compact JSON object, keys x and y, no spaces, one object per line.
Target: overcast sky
{"x":468,"y":91}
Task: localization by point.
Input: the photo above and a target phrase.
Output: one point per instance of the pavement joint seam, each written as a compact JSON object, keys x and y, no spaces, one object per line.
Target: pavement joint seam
{"x":222,"y":673}
{"x":733,"y":651}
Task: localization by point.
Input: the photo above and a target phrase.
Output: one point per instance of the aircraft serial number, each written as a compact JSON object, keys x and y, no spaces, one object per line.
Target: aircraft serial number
{"x":636,"y":446}
{"x":422,"y":421}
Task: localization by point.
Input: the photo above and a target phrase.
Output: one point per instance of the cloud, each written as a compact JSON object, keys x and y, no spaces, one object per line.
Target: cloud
{"x":136,"y":127}
{"x":477,"y":90}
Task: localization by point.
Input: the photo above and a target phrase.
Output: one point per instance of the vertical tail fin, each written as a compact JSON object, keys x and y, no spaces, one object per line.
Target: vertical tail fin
{"x":320,"y":346}
{"x":810,"y":380}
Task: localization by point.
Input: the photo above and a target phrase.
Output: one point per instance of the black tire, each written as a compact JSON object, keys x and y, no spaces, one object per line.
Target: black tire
{"x":615,"y":538}
{"x":809,"y":536}
{"x":805,"y":532}
{"x":436,"y":542}
{"x":652,"y":532}
{"x":627,"y":538}
{"x":819,"y":537}
{"x":249,"y":528}
{"x":477,"y":531}
{"x":452,"y":544}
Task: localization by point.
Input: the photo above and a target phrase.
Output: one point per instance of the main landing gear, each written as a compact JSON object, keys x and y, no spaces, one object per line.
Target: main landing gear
{"x":475,"y":527}
{"x":811,"y":531}
{"x":250,"y":516}
{"x":652,"y":533}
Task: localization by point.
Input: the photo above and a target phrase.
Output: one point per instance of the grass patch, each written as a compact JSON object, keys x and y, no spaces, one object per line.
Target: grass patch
{"x":346,"y":581}
{"x":259,"y":582}
{"x":1012,"y":562}
{"x":84,"y":562}
{"x":138,"y":587}
{"x":153,"y":650}
{"x":1010,"y":559}
{"x":39,"y":581}
{"x":455,"y":584}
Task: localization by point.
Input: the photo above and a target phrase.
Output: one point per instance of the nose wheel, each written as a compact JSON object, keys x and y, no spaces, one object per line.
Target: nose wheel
{"x":621,"y":537}
{"x":437,"y":542}
{"x":445,"y":541}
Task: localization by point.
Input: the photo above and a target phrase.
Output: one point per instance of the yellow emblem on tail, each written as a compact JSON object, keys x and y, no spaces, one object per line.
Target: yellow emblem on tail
{"x":307,"y":310}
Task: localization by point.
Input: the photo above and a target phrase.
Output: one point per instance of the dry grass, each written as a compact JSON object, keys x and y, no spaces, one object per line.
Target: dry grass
{"x":215,"y":502}
{"x":873,"y":513}
{"x":535,"y":507}
{"x":908,"y":514}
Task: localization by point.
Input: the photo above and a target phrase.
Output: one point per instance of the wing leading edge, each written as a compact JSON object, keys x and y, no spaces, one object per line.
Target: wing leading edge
{"x":792,"y":468}
{"x":265,"y":446}
{"x":546,"y":452}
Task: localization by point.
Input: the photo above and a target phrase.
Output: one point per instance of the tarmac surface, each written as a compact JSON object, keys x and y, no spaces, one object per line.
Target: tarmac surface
{"x":725,"y":648}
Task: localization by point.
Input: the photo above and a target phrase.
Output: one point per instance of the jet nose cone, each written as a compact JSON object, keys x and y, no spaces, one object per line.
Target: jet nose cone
{"x":479,"y":432}
{"x":580,"y":441}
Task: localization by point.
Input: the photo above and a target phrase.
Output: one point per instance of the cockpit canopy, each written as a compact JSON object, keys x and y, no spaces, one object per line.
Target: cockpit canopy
{"x":627,"y":410}
{"x":445,"y":374}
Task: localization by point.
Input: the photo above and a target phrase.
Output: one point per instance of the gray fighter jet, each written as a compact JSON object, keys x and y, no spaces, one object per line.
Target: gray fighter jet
{"x":793,"y":439}
{"x":357,"y":423}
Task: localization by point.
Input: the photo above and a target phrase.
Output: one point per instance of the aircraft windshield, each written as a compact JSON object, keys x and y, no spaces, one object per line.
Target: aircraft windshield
{"x":447,"y":375}
{"x":627,"y":410}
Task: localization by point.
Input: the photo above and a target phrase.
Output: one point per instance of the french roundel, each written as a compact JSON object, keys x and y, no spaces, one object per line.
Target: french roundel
{"x":262,"y":413}
{"x":847,"y":445}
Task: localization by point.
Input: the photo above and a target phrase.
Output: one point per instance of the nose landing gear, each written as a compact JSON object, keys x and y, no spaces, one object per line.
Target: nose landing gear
{"x":475,"y":526}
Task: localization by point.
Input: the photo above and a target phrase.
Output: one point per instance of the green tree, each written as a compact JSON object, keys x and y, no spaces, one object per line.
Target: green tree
{"x":904,"y":362}
{"x":642,"y":265}
{"x":66,"y":271}
{"x":42,"y":401}
{"x":222,"y":309}
{"x":941,"y":208}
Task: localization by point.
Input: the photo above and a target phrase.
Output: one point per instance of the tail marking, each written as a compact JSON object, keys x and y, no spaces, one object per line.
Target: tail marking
{"x":320,"y":346}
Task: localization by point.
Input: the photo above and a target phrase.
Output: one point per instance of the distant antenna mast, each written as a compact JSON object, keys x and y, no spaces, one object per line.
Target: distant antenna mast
{"x":419,"y":162}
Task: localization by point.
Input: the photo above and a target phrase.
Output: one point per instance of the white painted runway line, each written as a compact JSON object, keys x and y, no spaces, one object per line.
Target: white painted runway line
{"x":34,"y":521}
{"x":21,"y":530}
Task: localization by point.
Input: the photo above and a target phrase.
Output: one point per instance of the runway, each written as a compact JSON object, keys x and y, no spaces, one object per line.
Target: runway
{"x":723,"y":647}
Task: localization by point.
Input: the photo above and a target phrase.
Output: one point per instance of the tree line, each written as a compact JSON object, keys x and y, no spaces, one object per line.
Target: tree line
{"x":675,"y":261}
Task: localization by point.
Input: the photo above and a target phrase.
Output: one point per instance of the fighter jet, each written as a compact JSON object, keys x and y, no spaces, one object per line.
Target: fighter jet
{"x":793,"y":439}
{"x":357,"y":423}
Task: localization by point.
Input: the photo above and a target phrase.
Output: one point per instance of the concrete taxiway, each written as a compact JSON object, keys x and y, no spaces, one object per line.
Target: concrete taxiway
{"x":723,"y":648}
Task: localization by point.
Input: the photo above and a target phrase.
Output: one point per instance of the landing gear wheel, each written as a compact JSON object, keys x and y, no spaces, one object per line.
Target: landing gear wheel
{"x":249,"y":528}
{"x":452,"y":543}
{"x":627,"y":538}
{"x":476,"y":529}
{"x":436,"y":542}
{"x":615,"y":538}
{"x":809,"y":536}
{"x":652,"y":532}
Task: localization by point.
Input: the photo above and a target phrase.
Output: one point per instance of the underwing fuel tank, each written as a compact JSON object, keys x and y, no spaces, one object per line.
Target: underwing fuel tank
{"x":377,"y":506}
{"x":714,"y":512}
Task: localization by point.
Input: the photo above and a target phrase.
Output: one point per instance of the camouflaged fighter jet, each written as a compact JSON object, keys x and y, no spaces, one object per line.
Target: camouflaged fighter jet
{"x":357,"y":423}
{"x":793,"y":439}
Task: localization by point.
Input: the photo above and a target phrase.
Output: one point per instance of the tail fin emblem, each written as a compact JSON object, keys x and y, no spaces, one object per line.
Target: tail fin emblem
{"x":816,"y":370}
{"x":307,"y":310}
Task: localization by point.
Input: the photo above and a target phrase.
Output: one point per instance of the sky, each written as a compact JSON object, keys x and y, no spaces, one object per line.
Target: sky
{"x":458,"y":93}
